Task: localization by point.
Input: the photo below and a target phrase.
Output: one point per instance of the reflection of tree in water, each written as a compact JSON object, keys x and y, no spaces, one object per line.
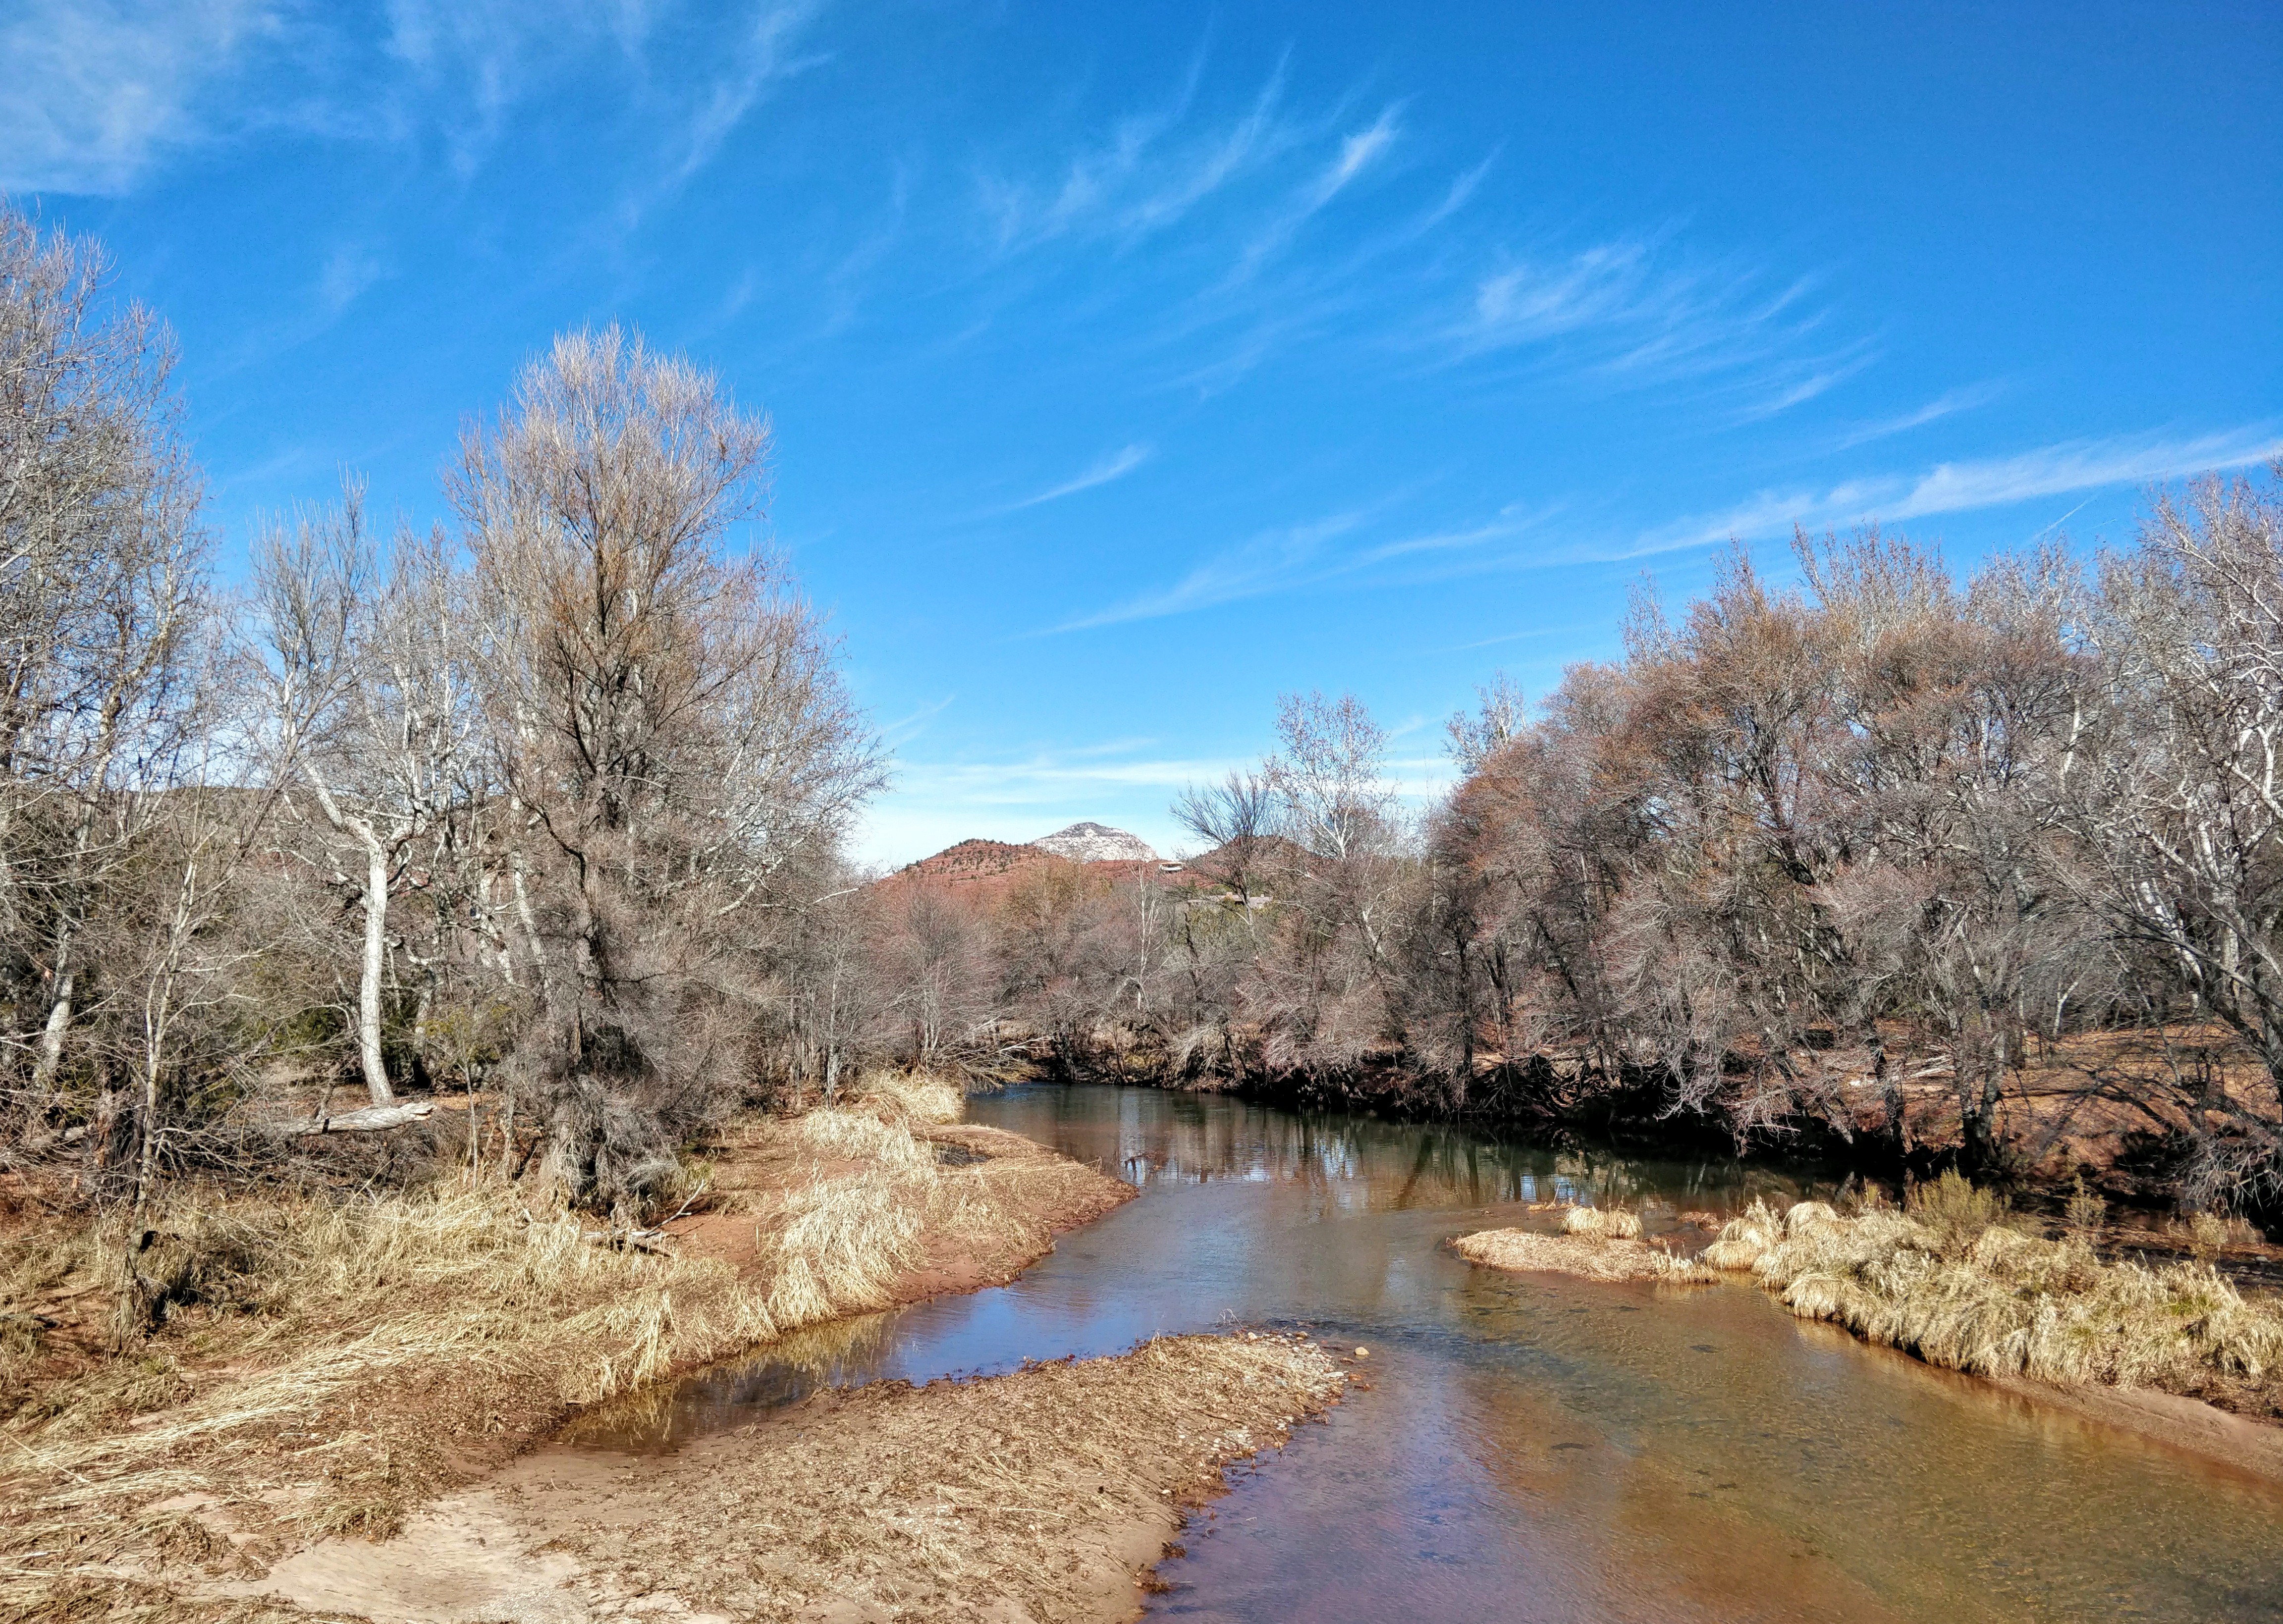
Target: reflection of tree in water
{"x":1378,"y":1165}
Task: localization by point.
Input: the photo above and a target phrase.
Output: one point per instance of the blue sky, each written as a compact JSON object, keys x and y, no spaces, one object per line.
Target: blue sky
{"x":1133,"y":365}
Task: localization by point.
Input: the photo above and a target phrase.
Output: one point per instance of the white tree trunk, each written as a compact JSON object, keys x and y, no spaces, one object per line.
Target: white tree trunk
{"x":375,"y":948}
{"x":59,"y":1014}
{"x":376,"y":937}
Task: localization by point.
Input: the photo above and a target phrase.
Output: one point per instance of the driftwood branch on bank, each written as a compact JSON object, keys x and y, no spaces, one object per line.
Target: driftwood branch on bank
{"x":371,"y":1120}
{"x":637,"y":1240}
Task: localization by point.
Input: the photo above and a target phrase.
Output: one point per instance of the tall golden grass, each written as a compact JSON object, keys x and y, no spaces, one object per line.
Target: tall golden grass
{"x":1608,"y":1222}
{"x":327,"y":1362}
{"x":1955,"y":1280}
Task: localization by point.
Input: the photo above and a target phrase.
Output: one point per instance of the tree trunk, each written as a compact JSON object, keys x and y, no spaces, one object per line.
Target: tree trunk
{"x":376,"y":937}
{"x":59,"y":1010}
{"x":59,"y":1014}
{"x":1978,"y":1094}
{"x":376,"y":951}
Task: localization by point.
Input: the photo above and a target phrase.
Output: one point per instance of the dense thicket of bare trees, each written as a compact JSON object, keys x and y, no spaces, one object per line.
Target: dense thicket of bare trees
{"x":1888,"y":821}
{"x":550,"y":800}
{"x":1797,"y":849}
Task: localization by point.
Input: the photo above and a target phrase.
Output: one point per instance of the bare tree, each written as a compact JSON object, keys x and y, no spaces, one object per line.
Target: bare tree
{"x":369,"y":688}
{"x":663,"y":715}
{"x":1235,"y":819}
{"x":2185,"y":802}
{"x":101,"y":590}
{"x":1327,"y":777}
{"x":1500,"y":715}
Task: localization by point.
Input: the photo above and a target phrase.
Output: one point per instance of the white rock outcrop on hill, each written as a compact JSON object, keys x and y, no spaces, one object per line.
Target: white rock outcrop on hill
{"x":1095,"y":843}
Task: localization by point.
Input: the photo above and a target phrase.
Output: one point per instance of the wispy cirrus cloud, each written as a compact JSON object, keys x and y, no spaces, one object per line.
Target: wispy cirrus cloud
{"x":1151,"y":172}
{"x":763,"y":54}
{"x":472,"y":62}
{"x":909,"y":726}
{"x":1269,"y":561}
{"x":1117,"y":465}
{"x":1975,"y":484}
{"x":95,"y":92}
{"x":1239,"y":244}
{"x":350,"y":271}
{"x":1798,"y":390}
{"x":1635,"y":311}
{"x":1274,"y":166}
{"x":1947,"y":404}
{"x":1318,"y":552}
{"x":1512,"y":636}
{"x":1357,"y":151}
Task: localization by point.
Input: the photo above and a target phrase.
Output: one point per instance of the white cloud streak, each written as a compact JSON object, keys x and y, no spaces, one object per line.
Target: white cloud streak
{"x":1304,"y":555}
{"x":95,"y":92}
{"x":1969,"y":486}
{"x":1357,"y":153}
{"x":1945,"y":405}
{"x":764,"y":58}
{"x":480,"y":57}
{"x":1143,"y":179}
{"x":1268,"y":562}
{"x":1629,"y":313}
{"x":349,"y":270}
{"x":1117,"y":465}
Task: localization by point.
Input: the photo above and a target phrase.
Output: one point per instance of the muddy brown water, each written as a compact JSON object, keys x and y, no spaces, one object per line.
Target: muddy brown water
{"x":1533,"y":1448}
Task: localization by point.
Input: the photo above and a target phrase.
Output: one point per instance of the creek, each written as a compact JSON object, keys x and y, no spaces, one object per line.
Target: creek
{"x":1535,"y":1448}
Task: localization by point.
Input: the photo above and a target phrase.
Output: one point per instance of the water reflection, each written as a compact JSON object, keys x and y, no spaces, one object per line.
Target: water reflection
{"x":1536,"y":1448}
{"x":1367,"y":1164}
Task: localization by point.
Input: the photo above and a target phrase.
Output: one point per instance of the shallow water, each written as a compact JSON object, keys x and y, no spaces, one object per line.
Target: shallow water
{"x":1535,"y":1448}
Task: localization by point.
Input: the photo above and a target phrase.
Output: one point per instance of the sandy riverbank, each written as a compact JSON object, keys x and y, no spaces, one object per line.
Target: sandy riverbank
{"x":1042,"y":1496}
{"x":333,"y":1365}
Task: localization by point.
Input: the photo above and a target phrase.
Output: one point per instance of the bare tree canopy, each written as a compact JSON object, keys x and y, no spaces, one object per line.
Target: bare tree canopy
{"x":661,"y":714}
{"x":556,"y":802}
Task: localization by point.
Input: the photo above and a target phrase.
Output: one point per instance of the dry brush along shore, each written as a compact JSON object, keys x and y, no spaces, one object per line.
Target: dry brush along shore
{"x":1595,"y":1244}
{"x":323,"y":1365}
{"x":1959,"y":1281}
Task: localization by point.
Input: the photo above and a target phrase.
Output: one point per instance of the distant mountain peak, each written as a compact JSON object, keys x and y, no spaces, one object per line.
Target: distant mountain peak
{"x":1091,"y":842}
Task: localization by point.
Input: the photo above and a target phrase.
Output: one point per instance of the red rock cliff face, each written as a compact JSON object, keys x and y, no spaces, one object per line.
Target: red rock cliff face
{"x":980,"y":872}
{"x":974,"y":860}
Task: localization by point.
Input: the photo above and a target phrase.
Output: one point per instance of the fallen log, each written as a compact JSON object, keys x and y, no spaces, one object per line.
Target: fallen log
{"x":371,"y":1120}
{"x":622,"y":1240}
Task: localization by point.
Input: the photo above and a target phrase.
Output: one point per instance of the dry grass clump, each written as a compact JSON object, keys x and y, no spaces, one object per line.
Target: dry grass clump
{"x":1586,"y":1252}
{"x":1609,"y":1223}
{"x":864,"y":1202}
{"x":914,"y":1096}
{"x":1035,"y":1495}
{"x":317,"y":1366}
{"x":846,"y":1235}
{"x":1950,"y":1280}
{"x":2207,"y":1235}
